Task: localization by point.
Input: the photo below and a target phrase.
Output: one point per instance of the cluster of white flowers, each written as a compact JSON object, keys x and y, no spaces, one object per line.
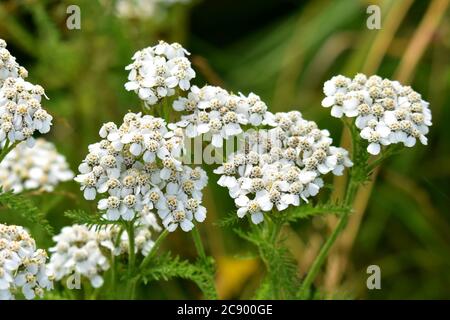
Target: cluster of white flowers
{"x":32,"y":168}
{"x":86,"y":251}
{"x":386,"y":112}
{"x":21,"y":113}
{"x":157,"y":71}
{"x":9,"y":68}
{"x":116,"y":241}
{"x":77,"y":250}
{"x":136,"y":167}
{"x":22,"y":266}
{"x":215,"y":111}
{"x":282,"y":166}
{"x":143,"y":8}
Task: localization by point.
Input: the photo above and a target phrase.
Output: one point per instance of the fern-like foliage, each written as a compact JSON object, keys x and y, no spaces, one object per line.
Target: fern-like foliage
{"x":360,"y":174}
{"x":91,"y":220}
{"x":306,"y":211}
{"x":25,"y":208}
{"x":282,"y":274}
{"x":230,"y":219}
{"x":201,"y":272}
{"x":282,"y":280}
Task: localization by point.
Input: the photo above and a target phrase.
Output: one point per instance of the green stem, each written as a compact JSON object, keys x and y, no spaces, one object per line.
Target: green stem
{"x":389,"y":152}
{"x":131,"y":258}
{"x":350,"y":195}
{"x":114,"y":263}
{"x":320,"y":259}
{"x":275,"y":232}
{"x":270,"y":232}
{"x":113,"y":274}
{"x":276,"y":228}
{"x":133,"y":282}
{"x":6,"y":149}
{"x":198,"y":243}
{"x":152,"y":253}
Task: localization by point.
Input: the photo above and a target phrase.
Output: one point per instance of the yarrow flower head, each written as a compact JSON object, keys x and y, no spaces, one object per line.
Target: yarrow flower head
{"x":137,"y":167}
{"x":9,"y":68}
{"x":22,"y":266}
{"x":86,"y":251}
{"x":215,"y":111}
{"x":156,"y":72}
{"x":21,"y":113}
{"x":143,"y":8}
{"x":117,"y":242}
{"x":40,"y":167}
{"x":77,"y":250}
{"x":386,"y":112}
{"x":279,"y":167}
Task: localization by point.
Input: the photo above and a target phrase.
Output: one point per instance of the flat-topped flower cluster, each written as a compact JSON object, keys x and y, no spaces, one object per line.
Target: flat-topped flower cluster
{"x":9,"y":68}
{"x":21,"y":113}
{"x":215,"y":111}
{"x":22,"y":266}
{"x":281,"y":166}
{"x":156,"y":72}
{"x":87,"y":251}
{"x":137,"y":166}
{"x":386,"y":112}
{"x":143,"y":9}
{"x":40,"y":167}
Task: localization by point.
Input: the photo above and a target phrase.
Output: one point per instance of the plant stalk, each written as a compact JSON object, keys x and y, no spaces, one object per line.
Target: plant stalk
{"x":152,"y":253}
{"x":320,"y":259}
{"x":6,"y":149}
{"x":131,"y":259}
{"x":198,"y":243}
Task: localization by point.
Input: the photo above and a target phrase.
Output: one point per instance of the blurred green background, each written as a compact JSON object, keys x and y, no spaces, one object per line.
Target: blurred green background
{"x":282,"y":50}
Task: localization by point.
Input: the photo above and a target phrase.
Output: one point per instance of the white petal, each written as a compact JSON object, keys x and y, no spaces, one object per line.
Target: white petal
{"x":328,"y":102}
{"x":257,"y":217}
{"x":200,"y":214}
{"x":186,"y":225}
{"x":337,"y":112}
{"x":374,"y":148}
{"x":241,"y":201}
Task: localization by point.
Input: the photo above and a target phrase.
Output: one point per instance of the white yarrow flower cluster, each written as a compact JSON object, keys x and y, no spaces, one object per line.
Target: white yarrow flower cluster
{"x":143,"y":8}
{"x":40,"y":167}
{"x":86,"y":251}
{"x":280,"y":167}
{"x":9,"y":68}
{"x":136,"y":167}
{"x":215,"y":111}
{"x":77,"y":251}
{"x":145,"y":226}
{"x":386,"y":112}
{"x":21,"y":113}
{"x":22,"y":266}
{"x":156,"y":72}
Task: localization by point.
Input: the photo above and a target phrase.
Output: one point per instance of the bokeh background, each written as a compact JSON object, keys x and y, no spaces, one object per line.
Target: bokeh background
{"x":283,"y":50}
